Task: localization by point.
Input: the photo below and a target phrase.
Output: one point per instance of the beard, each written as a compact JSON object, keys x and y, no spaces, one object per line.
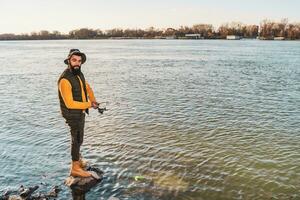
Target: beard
{"x":76,"y":69}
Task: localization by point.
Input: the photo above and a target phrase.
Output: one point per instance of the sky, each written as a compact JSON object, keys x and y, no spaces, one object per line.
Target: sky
{"x":19,"y":16}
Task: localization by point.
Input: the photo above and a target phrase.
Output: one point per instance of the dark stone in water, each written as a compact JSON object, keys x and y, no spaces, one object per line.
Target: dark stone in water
{"x":5,"y":195}
{"x":81,"y":185}
{"x":54,"y":191}
{"x":78,"y":185}
{"x":27,"y":194}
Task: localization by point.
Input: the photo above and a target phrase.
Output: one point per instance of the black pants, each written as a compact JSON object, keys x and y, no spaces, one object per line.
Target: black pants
{"x":77,"y":133}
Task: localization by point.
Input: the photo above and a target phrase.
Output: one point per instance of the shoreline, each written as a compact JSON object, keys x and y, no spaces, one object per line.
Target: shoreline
{"x":118,"y":38}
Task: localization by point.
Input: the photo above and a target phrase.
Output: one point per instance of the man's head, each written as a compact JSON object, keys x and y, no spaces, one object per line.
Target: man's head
{"x":74,"y":60}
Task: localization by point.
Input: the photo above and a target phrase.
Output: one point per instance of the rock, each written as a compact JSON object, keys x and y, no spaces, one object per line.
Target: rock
{"x":5,"y":195}
{"x":26,"y":193}
{"x":21,"y":189}
{"x":81,"y":184}
{"x":15,"y":197}
{"x":54,"y":191}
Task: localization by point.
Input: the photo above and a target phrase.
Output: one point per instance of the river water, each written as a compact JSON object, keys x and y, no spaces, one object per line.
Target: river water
{"x":197,"y":119}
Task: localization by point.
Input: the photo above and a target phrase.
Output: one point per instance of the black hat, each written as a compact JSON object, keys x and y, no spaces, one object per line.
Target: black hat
{"x":77,"y":53}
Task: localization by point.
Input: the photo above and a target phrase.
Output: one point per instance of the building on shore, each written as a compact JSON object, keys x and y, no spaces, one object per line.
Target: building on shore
{"x":171,"y":37}
{"x":233,"y":37}
{"x":279,"y":38}
{"x":193,"y":36}
{"x":271,"y":38}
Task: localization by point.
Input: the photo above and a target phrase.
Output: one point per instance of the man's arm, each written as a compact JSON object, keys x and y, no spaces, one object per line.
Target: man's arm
{"x":91,"y":95}
{"x":90,"y":92}
{"x":65,"y":89}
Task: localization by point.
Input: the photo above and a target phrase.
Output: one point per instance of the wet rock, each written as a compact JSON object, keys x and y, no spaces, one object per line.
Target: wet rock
{"x":21,"y":189}
{"x":5,"y":195}
{"x":15,"y":197}
{"x":27,"y":194}
{"x":77,"y":184}
{"x":81,"y":184}
{"x":54,"y":192}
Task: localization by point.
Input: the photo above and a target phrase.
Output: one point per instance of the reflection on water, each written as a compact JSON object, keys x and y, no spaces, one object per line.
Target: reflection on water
{"x":78,"y":195}
{"x":195,"y":119}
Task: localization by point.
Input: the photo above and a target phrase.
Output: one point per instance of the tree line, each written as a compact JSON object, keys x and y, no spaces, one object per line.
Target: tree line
{"x":267,"y":29}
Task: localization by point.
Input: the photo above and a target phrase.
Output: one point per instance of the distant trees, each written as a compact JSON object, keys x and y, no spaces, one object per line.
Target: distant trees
{"x":293,"y":31}
{"x":152,"y":32}
{"x":267,"y":29}
{"x":116,"y":32}
{"x":250,"y":31}
{"x":270,"y":29}
{"x":83,"y":33}
{"x":239,"y":29}
{"x":8,"y":36}
{"x":42,"y":35}
{"x":170,"y":32}
{"x":206,"y":30}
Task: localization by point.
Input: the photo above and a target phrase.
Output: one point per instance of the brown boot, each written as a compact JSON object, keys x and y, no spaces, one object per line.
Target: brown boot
{"x":76,"y":170}
{"x":83,"y":162}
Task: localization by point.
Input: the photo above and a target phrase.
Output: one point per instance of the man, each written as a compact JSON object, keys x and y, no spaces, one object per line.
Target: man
{"x":76,"y":97}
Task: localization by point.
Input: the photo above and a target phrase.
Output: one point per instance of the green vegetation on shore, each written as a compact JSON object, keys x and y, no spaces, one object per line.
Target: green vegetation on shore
{"x":267,"y":30}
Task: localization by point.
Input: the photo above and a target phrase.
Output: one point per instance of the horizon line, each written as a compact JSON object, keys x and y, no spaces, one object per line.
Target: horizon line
{"x":215,"y":27}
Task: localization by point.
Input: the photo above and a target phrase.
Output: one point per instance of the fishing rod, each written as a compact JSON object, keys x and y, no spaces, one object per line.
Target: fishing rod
{"x":103,"y":108}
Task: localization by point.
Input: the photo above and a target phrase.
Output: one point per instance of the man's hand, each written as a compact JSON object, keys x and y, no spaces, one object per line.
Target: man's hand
{"x":95,"y":104}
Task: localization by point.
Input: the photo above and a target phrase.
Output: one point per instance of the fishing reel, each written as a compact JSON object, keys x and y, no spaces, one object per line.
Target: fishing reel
{"x":102,"y":109}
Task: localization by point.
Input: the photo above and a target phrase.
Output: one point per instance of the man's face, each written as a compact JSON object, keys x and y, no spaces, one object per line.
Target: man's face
{"x":75,"y":61}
